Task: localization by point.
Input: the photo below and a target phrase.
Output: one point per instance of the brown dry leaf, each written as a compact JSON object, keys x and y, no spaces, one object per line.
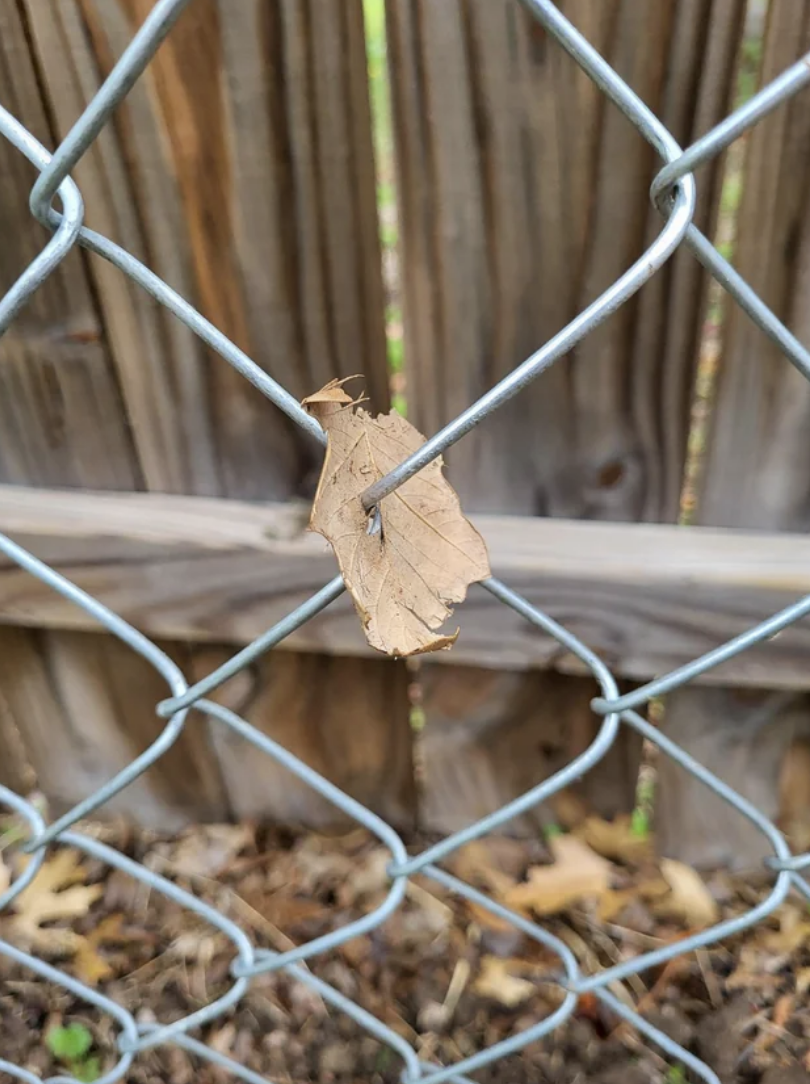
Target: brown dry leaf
{"x":751,"y":974}
{"x":568,"y":808}
{"x":793,"y":932}
{"x":477,"y":864}
{"x":208,"y":850}
{"x":53,"y":894}
{"x":498,"y":982}
{"x":369,"y":878}
{"x":645,"y":892}
{"x":405,"y":576}
{"x":615,"y":839}
{"x":690,"y":900}
{"x":285,"y":910}
{"x":613,"y":902}
{"x":802,"y":981}
{"x":88,"y":964}
{"x":577,"y":873}
{"x":316,"y":866}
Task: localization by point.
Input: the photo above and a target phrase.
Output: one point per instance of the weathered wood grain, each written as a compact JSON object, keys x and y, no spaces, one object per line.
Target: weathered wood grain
{"x":756,"y":471}
{"x":85,"y":707}
{"x":76,"y":707}
{"x":62,"y":422}
{"x":15,"y":768}
{"x":326,"y":711}
{"x":240,"y":169}
{"x":646,"y":596}
{"x":488,"y":740}
{"x":523,"y":195}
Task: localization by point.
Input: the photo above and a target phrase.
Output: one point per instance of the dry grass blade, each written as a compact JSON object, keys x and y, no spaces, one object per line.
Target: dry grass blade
{"x":498,"y":982}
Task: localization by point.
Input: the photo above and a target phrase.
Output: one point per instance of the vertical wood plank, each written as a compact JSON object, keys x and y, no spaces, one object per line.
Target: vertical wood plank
{"x":15,"y":768}
{"x":62,"y":421}
{"x":491,"y":736}
{"x":240,"y":169}
{"x":77,"y":703}
{"x":346,"y":719}
{"x":85,"y":705}
{"x":756,"y":472}
{"x":523,"y":195}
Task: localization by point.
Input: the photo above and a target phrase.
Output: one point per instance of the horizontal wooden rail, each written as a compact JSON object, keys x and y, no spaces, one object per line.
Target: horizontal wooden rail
{"x":646,"y":597}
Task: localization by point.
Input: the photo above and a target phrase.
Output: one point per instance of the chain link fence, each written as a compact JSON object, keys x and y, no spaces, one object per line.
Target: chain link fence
{"x":673,"y":193}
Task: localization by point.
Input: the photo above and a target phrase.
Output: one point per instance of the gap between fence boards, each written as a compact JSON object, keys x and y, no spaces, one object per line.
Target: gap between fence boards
{"x":647,"y":597}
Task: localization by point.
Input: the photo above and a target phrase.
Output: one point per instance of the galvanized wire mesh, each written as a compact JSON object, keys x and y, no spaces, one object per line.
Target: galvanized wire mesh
{"x":673,"y":193}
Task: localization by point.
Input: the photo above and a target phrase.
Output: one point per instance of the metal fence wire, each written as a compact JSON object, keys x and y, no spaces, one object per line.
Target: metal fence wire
{"x":673,"y":193}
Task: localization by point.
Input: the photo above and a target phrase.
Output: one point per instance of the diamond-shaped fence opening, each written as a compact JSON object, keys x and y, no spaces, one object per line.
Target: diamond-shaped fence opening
{"x":57,"y":202}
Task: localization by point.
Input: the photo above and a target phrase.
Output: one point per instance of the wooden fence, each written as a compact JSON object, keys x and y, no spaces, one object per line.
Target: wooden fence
{"x":241,"y":169}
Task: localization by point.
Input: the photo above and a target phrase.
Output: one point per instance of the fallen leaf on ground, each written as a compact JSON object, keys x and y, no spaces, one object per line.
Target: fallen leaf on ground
{"x":613,"y":902}
{"x":577,"y":873}
{"x":568,"y":808}
{"x":477,"y":864}
{"x":752,"y":972}
{"x":793,"y":932}
{"x":315,"y":866}
{"x":55,"y":893}
{"x":405,"y":575}
{"x":690,"y":899}
{"x":285,"y":909}
{"x":643,"y":894}
{"x":207,"y":850}
{"x":370,"y":878}
{"x":498,"y":982}
{"x":88,"y":963}
{"x":615,"y":839}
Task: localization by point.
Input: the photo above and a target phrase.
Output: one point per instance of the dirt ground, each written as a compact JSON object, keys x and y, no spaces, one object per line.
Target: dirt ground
{"x":445,"y":975}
